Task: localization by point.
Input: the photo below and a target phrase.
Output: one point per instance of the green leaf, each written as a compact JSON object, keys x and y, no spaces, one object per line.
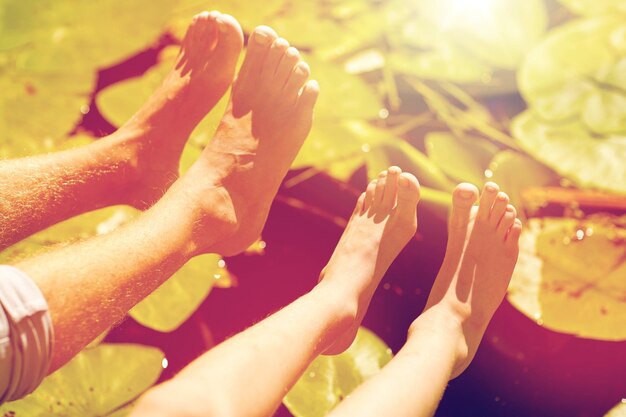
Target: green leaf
{"x":462,"y":159}
{"x":177,"y":298}
{"x":618,"y":411}
{"x":592,"y":7}
{"x":570,"y":276}
{"x":514,"y":172}
{"x":573,"y":152}
{"x":342,"y":95}
{"x":96,"y":383}
{"x":329,"y":379}
{"x":48,"y":53}
{"x":340,"y":146}
{"x":591,"y":87}
{"x":120,"y":101}
{"x":248,"y":15}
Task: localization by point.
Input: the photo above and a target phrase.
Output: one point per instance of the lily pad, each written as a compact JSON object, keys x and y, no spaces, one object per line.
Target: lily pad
{"x":577,"y":71}
{"x":329,"y":379}
{"x":570,"y":276}
{"x":574,"y":152}
{"x":593,"y":7}
{"x":249,"y":15}
{"x":342,"y":95}
{"x":506,"y":167}
{"x":49,"y":51}
{"x":120,"y":101}
{"x":462,"y":159}
{"x":98,"y":382}
{"x":618,"y":411}
{"x":177,"y":298}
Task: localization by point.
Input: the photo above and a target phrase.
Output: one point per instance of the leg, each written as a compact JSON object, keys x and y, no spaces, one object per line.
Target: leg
{"x":237,"y":176}
{"x":137,"y":163}
{"x":249,"y":374}
{"x":480,"y":257}
{"x":221,"y":202}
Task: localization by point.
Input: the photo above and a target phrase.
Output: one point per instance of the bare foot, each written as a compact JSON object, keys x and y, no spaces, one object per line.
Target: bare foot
{"x":230,"y":188}
{"x":480,"y":257}
{"x":383,"y":222}
{"x":157,"y":133}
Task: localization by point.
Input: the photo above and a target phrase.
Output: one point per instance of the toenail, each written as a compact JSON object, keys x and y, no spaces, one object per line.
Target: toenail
{"x":261,"y":38}
{"x":403,"y":182}
{"x":466,"y":193}
{"x":221,"y":25}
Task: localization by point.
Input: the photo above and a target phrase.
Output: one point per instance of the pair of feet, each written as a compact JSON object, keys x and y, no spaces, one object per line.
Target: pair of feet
{"x":227,"y":193}
{"x":481,"y":253}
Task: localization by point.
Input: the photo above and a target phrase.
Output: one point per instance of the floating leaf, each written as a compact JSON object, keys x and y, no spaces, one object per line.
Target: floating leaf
{"x":48,"y":53}
{"x":591,"y":7}
{"x":342,"y":95}
{"x":176,"y":299}
{"x":618,"y":411}
{"x":96,"y":383}
{"x":514,"y":172}
{"x":249,"y":15}
{"x":120,"y":101}
{"x":572,"y":151}
{"x":462,"y":159}
{"x":570,"y":276}
{"x":577,"y":71}
{"x":329,"y":379}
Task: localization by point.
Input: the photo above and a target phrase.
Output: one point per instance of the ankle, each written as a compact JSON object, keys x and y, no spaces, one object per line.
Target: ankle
{"x":443,"y":324}
{"x":343,"y":304}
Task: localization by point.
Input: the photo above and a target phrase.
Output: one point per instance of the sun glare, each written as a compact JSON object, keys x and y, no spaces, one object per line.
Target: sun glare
{"x":476,"y":11}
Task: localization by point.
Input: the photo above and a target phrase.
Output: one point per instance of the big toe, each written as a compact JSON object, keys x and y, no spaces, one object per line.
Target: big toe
{"x":463,"y":199}
{"x":230,"y":38}
{"x":259,"y":45}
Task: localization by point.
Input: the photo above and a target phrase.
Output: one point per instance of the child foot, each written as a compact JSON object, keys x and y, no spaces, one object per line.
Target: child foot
{"x":237,"y":176}
{"x":383,"y":222}
{"x":157,"y":133}
{"x":480,"y":257}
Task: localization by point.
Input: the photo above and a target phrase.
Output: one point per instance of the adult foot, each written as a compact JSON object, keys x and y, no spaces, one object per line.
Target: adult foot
{"x":480,"y":257}
{"x":157,"y":133}
{"x":383,"y":222}
{"x":230,"y":188}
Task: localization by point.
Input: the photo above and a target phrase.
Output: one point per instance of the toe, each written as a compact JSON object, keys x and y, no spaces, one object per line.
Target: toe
{"x":307,"y":99}
{"x":272,"y":60}
{"x":288,"y":61}
{"x":370,"y":192}
{"x":360,"y":204}
{"x":512,"y":239}
{"x":391,"y":189}
{"x":408,"y":194}
{"x":247,"y":81}
{"x":463,"y":199}
{"x":506,"y":221}
{"x":488,"y":197}
{"x":380,"y":190}
{"x":230,"y":38}
{"x":296,"y":80}
{"x":499,"y":208}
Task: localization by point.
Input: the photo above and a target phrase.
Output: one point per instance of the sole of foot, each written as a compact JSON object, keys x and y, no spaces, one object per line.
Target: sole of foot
{"x":481,"y":254}
{"x":383,"y":222}
{"x":232,"y":185}
{"x":156,"y":135}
